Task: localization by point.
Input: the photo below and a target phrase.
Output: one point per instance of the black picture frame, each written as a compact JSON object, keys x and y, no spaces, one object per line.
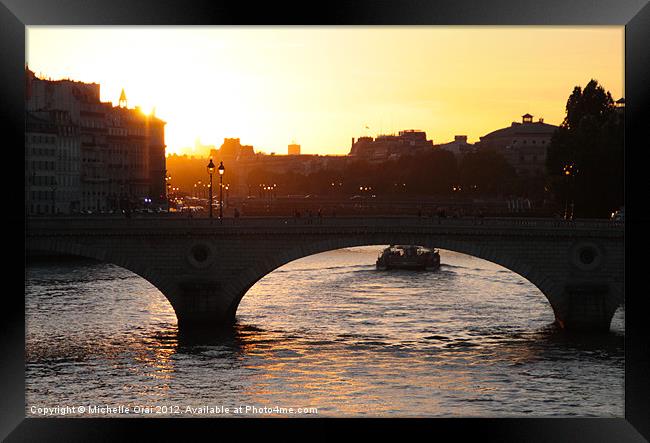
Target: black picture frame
{"x":16,"y":15}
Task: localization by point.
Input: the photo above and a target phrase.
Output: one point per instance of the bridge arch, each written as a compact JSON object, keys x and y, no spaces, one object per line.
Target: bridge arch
{"x":68,"y":248}
{"x":247,"y":279}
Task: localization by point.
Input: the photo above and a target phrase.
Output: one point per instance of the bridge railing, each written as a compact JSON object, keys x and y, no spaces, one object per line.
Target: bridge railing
{"x":173,"y":221}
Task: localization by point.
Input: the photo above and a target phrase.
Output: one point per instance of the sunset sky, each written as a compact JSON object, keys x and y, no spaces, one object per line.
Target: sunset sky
{"x":321,"y":86}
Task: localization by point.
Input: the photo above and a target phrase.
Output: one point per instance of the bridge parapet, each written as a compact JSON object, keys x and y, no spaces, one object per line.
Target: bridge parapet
{"x":123,"y":224}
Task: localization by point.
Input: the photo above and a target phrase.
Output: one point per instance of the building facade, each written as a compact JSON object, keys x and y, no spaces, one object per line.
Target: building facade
{"x":459,"y":147}
{"x":231,"y":150}
{"x":108,"y":157}
{"x":384,"y":147}
{"x":40,"y":165}
{"x":524,"y":145}
{"x":293,"y":149}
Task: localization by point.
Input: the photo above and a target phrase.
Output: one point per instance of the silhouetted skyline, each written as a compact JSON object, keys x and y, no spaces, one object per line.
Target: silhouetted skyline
{"x":321,"y":86}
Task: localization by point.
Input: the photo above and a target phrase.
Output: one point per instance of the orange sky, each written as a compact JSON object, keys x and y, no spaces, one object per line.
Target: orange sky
{"x":321,"y":86}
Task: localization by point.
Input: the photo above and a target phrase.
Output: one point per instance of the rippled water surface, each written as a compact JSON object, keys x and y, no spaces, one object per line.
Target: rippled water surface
{"x":326,"y":332}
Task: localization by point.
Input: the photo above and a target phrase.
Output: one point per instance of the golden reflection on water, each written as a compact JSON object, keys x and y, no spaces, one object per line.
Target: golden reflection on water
{"x":156,"y":359}
{"x":300,"y":373}
{"x":155,"y":346}
{"x":306,"y":376}
{"x":361,"y":354}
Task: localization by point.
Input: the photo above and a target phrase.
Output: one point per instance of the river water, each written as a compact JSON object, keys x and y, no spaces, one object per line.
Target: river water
{"x":326,"y":335}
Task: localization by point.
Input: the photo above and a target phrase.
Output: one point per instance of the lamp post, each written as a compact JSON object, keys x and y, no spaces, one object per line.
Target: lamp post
{"x":268,"y":198}
{"x":221,"y":171}
{"x":169,"y":194}
{"x":569,"y":172}
{"x":574,"y":172}
{"x":210,"y":171}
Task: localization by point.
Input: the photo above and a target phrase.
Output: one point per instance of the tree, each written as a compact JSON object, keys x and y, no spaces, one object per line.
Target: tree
{"x":590,"y":138}
{"x":434,"y":172}
{"x":487,"y":172}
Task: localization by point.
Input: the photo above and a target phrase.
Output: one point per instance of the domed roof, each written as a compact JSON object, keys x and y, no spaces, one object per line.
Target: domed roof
{"x":516,"y":129}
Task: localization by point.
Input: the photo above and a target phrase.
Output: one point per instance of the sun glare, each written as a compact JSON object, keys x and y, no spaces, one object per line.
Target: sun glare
{"x":322,"y":86}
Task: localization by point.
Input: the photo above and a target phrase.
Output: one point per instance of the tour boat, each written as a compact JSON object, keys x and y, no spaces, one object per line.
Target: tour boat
{"x":408,"y":257}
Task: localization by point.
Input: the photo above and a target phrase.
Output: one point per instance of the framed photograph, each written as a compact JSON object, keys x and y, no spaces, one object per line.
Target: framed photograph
{"x":424,"y":203}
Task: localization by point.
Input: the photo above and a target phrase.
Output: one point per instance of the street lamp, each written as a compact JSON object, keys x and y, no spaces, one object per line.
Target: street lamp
{"x":210,"y":171}
{"x":569,"y":172}
{"x":269,"y":197}
{"x":169,"y":194}
{"x":221,"y":171}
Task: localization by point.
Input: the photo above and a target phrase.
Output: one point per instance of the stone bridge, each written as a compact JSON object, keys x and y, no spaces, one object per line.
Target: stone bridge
{"x":204,"y":267}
